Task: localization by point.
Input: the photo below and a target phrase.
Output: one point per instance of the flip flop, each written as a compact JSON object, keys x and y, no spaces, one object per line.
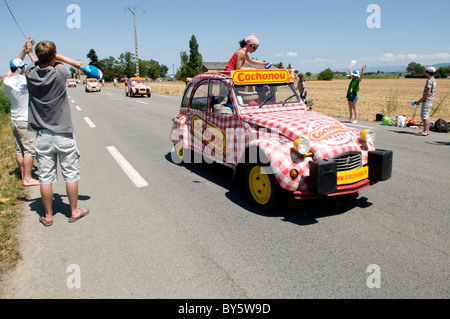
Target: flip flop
{"x":83,"y":213}
{"x":44,"y":222}
{"x":421,"y":134}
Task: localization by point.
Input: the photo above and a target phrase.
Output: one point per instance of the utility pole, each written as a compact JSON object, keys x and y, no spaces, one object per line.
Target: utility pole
{"x":135,"y":36}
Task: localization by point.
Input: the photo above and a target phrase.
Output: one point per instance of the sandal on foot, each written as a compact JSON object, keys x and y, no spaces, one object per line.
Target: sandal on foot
{"x":83,"y":213}
{"x":421,"y":134}
{"x":44,"y":222}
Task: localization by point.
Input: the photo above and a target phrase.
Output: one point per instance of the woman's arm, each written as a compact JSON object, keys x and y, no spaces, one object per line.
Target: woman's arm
{"x":254,"y":61}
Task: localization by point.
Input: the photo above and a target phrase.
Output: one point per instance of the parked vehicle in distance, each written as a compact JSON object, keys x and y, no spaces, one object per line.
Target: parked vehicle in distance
{"x":93,"y":85}
{"x":137,"y":86}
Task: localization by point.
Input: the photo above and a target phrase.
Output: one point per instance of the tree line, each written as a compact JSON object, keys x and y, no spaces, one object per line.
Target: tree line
{"x":413,"y":70}
{"x":417,"y":70}
{"x":125,"y":65}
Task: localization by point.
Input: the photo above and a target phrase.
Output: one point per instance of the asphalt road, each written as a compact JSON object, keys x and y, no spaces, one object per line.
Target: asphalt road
{"x":172,"y":231}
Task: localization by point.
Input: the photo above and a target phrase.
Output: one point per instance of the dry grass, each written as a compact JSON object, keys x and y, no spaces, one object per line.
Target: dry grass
{"x":329,"y":96}
{"x":374,"y":97}
{"x":11,"y":188}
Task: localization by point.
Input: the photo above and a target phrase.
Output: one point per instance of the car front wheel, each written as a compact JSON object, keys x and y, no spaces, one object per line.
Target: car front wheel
{"x":262,"y":187}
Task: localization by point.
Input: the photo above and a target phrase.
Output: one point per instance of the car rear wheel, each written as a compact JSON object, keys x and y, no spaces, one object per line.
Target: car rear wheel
{"x":262,"y":187}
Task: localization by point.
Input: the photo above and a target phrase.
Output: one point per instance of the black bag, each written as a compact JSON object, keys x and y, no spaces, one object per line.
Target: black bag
{"x":441,"y":126}
{"x":379,"y":117}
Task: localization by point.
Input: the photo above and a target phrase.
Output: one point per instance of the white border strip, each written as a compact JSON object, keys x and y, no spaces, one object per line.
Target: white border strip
{"x":127,"y":168}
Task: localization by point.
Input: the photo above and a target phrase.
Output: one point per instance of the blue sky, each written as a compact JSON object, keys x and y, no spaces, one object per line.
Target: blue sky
{"x":311,"y":35}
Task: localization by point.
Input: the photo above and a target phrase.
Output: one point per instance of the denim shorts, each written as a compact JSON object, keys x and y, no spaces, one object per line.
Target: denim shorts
{"x":24,"y":138}
{"x":51,"y":148}
{"x":352,"y":98}
{"x":426,"y":110}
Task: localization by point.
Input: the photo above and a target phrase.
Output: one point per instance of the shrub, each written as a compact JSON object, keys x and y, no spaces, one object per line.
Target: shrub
{"x":326,"y":75}
{"x":5,"y":103}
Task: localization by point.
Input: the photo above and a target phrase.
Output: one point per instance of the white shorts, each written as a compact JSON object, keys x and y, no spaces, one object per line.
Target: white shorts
{"x":50,"y":148}
{"x":426,"y":110}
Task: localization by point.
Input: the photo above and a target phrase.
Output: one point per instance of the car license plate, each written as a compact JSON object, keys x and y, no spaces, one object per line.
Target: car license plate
{"x":354,"y":176}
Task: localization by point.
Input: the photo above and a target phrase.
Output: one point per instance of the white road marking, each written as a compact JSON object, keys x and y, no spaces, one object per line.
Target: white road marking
{"x":89,"y":122}
{"x":78,"y":108}
{"x":127,"y":168}
{"x":72,"y":101}
{"x":142,"y":102}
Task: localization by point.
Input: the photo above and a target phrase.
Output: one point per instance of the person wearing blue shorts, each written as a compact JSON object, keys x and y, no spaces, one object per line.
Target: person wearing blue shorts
{"x":50,"y":116}
{"x":352,"y":93}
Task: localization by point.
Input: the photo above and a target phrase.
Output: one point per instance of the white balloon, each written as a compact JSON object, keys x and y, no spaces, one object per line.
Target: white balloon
{"x":353,"y":63}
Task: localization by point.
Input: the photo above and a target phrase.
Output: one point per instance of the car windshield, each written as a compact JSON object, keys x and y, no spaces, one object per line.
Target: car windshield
{"x":92,"y":81}
{"x":266,"y":94}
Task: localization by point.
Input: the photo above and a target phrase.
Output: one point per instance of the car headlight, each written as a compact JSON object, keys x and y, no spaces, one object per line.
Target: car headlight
{"x":302,"y":145}
{"x":367,"y":135}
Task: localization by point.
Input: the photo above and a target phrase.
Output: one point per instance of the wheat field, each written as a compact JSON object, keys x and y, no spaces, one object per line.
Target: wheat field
{"x":390,"y":97}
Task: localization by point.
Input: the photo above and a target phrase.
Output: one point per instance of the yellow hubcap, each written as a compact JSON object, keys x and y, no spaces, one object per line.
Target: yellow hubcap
{"x":259,"y":185}
{"x":180,"y":151}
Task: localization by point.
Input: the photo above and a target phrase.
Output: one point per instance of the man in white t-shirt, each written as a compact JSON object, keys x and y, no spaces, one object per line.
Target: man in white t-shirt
{"x":15,"y":85}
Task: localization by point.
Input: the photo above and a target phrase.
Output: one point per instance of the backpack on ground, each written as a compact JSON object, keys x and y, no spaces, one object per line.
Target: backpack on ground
{"x":440,"y":126}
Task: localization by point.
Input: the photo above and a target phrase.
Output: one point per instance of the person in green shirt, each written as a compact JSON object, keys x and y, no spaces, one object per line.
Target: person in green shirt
{"x":352,"y":93}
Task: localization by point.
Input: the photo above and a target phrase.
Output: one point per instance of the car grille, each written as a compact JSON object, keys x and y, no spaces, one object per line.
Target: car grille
{"x":348,"y":161}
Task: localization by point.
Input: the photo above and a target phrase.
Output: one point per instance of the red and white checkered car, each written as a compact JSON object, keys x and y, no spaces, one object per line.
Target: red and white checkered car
{"x":137,"y":86}
{"x":254,"y":122}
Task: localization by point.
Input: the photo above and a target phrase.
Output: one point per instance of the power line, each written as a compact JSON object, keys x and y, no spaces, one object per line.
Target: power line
{"x":15,"y":19}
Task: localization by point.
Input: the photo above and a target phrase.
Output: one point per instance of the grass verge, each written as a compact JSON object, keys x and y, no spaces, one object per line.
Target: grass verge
{"x":12,"y":189}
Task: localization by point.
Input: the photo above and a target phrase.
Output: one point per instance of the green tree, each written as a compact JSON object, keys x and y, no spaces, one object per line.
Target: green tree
{"x":111,"y":69}
{"x":182,"y":71}
{"x":126,"y":62}
{"x":415,"y":68}
{"x":443,"y":72}
{"x":326,"y":75}
{"x":194,"y":65}
{"x":92,"y":55}
{"x":278,"y":66}
{"x":152,"y":69}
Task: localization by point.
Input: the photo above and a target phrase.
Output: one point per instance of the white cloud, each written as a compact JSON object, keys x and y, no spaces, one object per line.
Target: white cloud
{"x":391,"y":57}
{"x":289,"y":53}
{"x":318,"y":60}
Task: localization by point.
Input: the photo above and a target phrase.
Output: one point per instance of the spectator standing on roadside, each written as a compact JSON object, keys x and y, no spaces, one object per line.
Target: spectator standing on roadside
{"x":301,"y":86}
{"x":50,"y":116}
{"x":429,"y":94}
{"x":15,"y":85}
{"x":352,"y":93}
{"x":249,"y":45}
